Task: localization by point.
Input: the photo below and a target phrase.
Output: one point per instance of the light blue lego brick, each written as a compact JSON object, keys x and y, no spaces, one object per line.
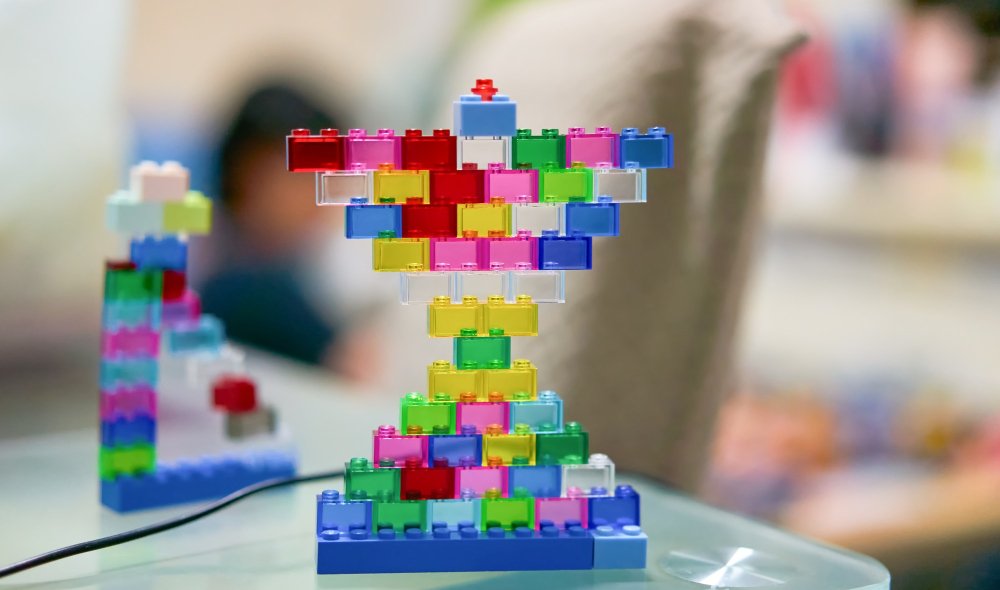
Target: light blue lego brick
{"x":653,"y":149}
{"x":334,"y":512}
{"x":206,"y":334}
{"x":544,"y":414}
{"x":477,"y":118}
{"x":368,"y":221}
{"x":592,"y":219}
{"x":131,"y":314}
{"x":457,"y":449}
{"x":126,"y":372}
{"x":452,"y":513}
{"x":620,"y":509}
{"x":126,"y":214}
{"x":619,"y":548}
{"x":208,"y":478}
{"x":166,"y":253}
{"x":448,"y":550}
{"x":565,"y":252}
{"x":128,"y":431}
{"x":541,"y":481}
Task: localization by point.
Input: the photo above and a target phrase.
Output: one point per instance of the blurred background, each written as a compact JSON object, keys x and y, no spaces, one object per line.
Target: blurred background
{"x":866,"y":405}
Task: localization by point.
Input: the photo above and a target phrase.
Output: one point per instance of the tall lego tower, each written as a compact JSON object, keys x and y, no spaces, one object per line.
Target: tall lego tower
{"x":482,"y":472}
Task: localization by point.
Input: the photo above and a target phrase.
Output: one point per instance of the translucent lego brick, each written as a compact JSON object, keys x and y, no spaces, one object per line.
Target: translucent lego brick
{"x":400,"y":254}
{"x":515,"y":319}
{"x":475,"y":481}
{"x":418,"y":415}
{"x":561,"y":185}
{"x":623,"y":185}
{"x":543,"y":286}
{"x":541,"y":481}
{"x":159,"y":252}
{"x":571,"y":446}
{"x":424,"y":220}
{"x":619,"y":509}
{"x":427,"y":483}
{"x":190,"y":215}
{"x":592,"y":219}
{"x":465,"y":448}
{"x":592,"y":148}
{"x":185,"y":309}
{"x":520,"y":381}
{"x":341,"y":187}
{"x":561,"y":510}
{"x":444,"y":377}
{"x":458,"y":186}
{"x":447,"y":320}
{"x":565,"y":253}
{"x":138,"y":341}
{"x":306,"y":152}
{"x":124,"y":282}
{"x":150,"y":181}
{"x":126,"y":214}
{"x":509,"y":449}
{"x":480,"y":414}
{"x":335,"y":512}
{"x":485,"y":112}
{"x":205,"y":334}
{"x":500,"y":253}
{"x":536,"y":218}
{"x":483,"y":151}
{"x":485,"y":219}
{"x":372,"y":150}
{"x":131,"y":460}
{"x":481,"y":285}
{"x":174,"y":285}
{"x":131,"y":314}
{"x":362,"y":479}
{"x":544,"y":414}
{"x":454,"y":254}
{"x":597,"y":476}
{"x":424,"y":287}
{"x":513,"y":186}
{"x":362,"y":221}
{"x":509,"y":513}
{"x":534,"y":151}
{"x":128,"y":402}
{"x":399,"y":186}
{"x":452,"y":512}
{"x":400,"y":514}
{"x":396,"y":448}
{"x":127,"y":372}
{"x":481,"y":352}
{"x":437,"y":151}
{"x":653,"y":149}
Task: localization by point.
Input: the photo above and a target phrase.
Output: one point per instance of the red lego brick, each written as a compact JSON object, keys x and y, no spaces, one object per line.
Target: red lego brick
{"x":432,"y":152}
{"x":458,"y":186}
{"x":234,"y":394}
{"x":315,"y":153}
{"x":427,"y":483}
{"x":429,"y":221}
{"x":174,"y":285}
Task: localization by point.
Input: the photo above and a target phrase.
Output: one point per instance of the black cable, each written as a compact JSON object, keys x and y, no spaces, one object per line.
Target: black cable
{"x":166,"y":525}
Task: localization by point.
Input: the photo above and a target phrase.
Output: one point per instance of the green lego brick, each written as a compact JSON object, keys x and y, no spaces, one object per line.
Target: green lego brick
{"x":130,"y":284}
{"x":508,"y":513}
{"x":418,"y":415}
{"x":564,"y":185}
{"x":535,"y":151}
{"x":399,"y":514}
{"x":114,"y":461}
{"x":363,"y":480}
{"x":193,"y":215}
{"x":482,"y":352}
{"x":569,"y":447}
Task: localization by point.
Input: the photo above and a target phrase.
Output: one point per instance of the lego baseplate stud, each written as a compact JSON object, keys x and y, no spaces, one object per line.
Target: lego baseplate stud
{"x":482,"y":472}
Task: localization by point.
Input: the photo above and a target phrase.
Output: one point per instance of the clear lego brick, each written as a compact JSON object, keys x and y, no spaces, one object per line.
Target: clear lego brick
{"x":423,"y":287}
{"x":483,"y":151}
{"x":543,"y":286}
{"x":341,"y":187}
{"x":481,"y":285}
{"x":594,"y":478}
{"x":623,"y":185}
{"x":537,"y":217}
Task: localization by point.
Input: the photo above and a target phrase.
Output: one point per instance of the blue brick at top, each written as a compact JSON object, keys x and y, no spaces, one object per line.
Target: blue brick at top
{"x":653,"y":149}
{"x":493,"y":118}
{"x":367,"y":221}
{"x":167,"y":253}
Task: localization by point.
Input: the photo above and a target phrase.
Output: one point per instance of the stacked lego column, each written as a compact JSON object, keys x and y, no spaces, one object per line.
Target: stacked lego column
{"x":482,"y":472}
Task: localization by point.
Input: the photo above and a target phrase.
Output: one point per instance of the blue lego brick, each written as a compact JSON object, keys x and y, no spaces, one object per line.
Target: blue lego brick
{"x":565,"y":252}
{"x":620,"y":509}
{"x":544,"y":414}
{"x":453,"y":513}
{"x":166,"y":253}
{"x":128,"y":371}
{"x":335,"y":512}
{"x":206,"y":334}
{"x":592,"y":219}
{"x":541,"y":481}
{"x":653,"y":149}
{"x":369,"y":221}
{"x":454,"y":448}
{"x":208,"y":478}
{"x":449,"y":550}
{"x":477,"y":118}
{"x":619,"y":548}
{"x":131,"y":314}
{"x":128,"y":431}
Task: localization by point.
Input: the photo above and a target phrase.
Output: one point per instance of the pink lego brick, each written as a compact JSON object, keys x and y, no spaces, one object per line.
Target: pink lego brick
{"x":559,"y":510}
{"x":180,"y":311}
{"x":513,"y":186}
{"x":482,"y":414}
{"x":452,"y":254}
{"x":591,"y":148}
{"x":128,"y":402}
{"x":479,"y":479}
{"x":385,"y":147}
{"x":130,"y":342}
{"x":389,"y":443}
{"x":501,"y":253}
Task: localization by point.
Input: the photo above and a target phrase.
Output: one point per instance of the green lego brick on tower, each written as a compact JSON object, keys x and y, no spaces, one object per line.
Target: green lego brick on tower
{"x":400,"y":514}
{"x":134,"y":459}
{"x":535,"y":151}
{"x":482,"y":352}
{"x":508,"y":513}
{"x":569,"y":447}
{"x":133,"y":285}
{"x":363,"y":480}
{"x":434,"y":416}
{"x":192,"y":215}
{"x":564,"y":185}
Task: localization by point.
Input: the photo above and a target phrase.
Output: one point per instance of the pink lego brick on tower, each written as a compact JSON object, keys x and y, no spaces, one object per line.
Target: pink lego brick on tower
{"x":385,"y":147}
{"x":139,"y":341}
{"x":128,"y":402}
{"x":559,"y":510}
{"x":514,"y":186}
{"x":477,"y":479}
{"x":591,"y":148}
{"x":482,"y":414}
{"x":505,"y":253}
{"x":185,"y":309}
{"x":389,"y":443}
{"x":451,"y":254}
{"x":150,"y":181}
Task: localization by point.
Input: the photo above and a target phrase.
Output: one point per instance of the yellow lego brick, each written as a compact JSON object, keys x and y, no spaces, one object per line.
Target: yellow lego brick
{"x":444,"y":377}
{"x":446,"y":319}
{"x":509,"y":449}
{"x":485,"y":219}
{"x":397,"y":186}
{"x":515,"y":319}
{"x":519,"y":382}
{"x":193,"y":215}
{"x":400,"y":254}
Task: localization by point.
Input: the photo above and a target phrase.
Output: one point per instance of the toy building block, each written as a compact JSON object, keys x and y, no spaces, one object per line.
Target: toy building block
{"x":456,"y":449}
{"x":343,"y":187}
{"x":622,"y":185}
{"x":371,"y":151}
{"x":444,"y":377}
{"x":425,"y":287}
{"x":592,"y":148}
{"x":508,"y":513}
{"x":562,"y":185}
{"x":513,"y":186}
{"x":653,"y":149}
{"x":572,"y":445}
{"x":451,"y":513}
{"x":324,"y":151}
{"x":544,"y":414}
{"x":128,"y":402}
{"x":126,"y":214}
{"x":427,"y":483}
{"x":619,"y":548}
{"x":428,"y":220}
{"x":475,"y":481}
{"x":402,"y":254}
{"x":194,"y":481}
{"x":483,"y":151}
{"x":620,"y":509}
{"x":534,"y":151}
{"x":150,"y":181}
{"x":484,"y":113}
{"x":565,"y":252}
{"x":185,"y":309}
{"x":535,"y":218}
{"x":234,"y":394}
{"x":121,"y":460}
{"x":481,"y":285}
{"x":516,"y":448}
{"x":418,"y":415}
{"x":472,"y":351}
{"x":190,"y":215}
{"x":154,"y":252}
{"x":240,"y":425}
{"x":399,"y":186}
{"x":560,"y":511}
{"x":337,"y":513}
{"x":365,"y":480}
{"x":206,"y":334}
{"x":543,"y":286}
{"x":126,"y":341}
{"x":174,"y":285}
{"x":122,"y":314}
{"x":515,"y":319}
{"x":451,"y":187}
{"x":391,"y":445}
{"x":446,"y":319}
{"x":597,"y":474}
{"x":485,"y":219}
{"x":437,"y":151}
{"x":519,"y":382}
{"x":123,"y":432}
{"x":371,"y":221}
{"x":541,"y":481}
{"x":450,"y":254}
{"x":124,"y":282}
{"x":400,"y":515}
{"x":592,"y":219}
{"x":479,"y":415}
{"x":503,"y":253}
{"x":127,"y":372}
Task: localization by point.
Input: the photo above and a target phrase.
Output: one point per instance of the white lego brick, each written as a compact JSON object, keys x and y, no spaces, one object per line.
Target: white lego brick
{"x":126,"y":214}
{"x":623,"y":185}
{"x":598,"y":472}
{"x":341,"y":186}
{"x":543,"y":286}
{"x":423,"y":287}
{"x":537,"y":217}
{"x":481,"y":285}
{"x":483,"y":151}
{"x":150,"y":181}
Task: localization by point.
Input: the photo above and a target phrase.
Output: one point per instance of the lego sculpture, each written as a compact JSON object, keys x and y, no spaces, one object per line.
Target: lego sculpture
{"x":151,"y":317}
{"x":482,"y":473}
